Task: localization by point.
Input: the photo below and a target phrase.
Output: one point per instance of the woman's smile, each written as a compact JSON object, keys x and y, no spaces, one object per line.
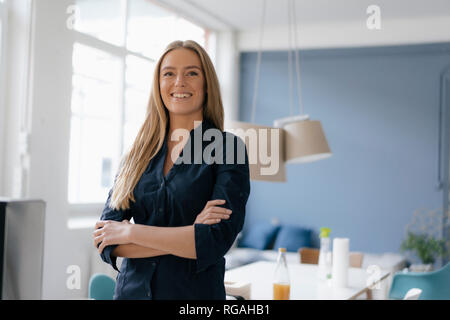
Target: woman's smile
{"x":181,"y":96}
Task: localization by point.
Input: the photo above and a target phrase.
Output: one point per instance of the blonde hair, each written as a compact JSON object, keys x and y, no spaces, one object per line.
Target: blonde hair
{"x":151,"y":135}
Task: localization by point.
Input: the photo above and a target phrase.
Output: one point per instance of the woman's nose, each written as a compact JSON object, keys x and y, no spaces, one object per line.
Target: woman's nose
{"x":179,"y":81}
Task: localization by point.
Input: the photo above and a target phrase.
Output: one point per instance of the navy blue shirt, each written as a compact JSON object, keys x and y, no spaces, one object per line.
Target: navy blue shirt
{"x":175,"y":200}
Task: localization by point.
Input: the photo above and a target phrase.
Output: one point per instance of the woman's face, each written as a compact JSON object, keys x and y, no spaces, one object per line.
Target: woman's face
{"x":181,"y":82}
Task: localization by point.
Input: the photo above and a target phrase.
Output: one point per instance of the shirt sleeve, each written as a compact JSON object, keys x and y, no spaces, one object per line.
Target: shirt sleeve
{"x":233,"y":185}
{"x":117,"y":215}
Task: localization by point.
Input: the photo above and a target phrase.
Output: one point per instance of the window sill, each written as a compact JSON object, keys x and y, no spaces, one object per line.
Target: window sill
{"x":79,"y":223}
{"x":84,"y":215}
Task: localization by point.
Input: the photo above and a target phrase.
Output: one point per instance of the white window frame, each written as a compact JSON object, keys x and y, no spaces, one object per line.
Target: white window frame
{"x":3,"y":64}
{"x":85,"y":211}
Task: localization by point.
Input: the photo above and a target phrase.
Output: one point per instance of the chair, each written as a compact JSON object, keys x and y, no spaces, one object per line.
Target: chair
{"x":413,"y":294}
{"x":101,"y":287}
{"x":311,"y":256}
{"x":434,"y":285}
{"x":356,"y":259}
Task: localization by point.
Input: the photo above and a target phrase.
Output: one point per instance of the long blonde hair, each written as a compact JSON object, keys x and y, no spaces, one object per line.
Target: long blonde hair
{"x":151,"y":135}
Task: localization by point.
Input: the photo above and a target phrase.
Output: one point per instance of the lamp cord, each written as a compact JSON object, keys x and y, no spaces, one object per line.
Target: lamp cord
{"x":258,"y":62}
{"x":291,"y":81}
{"x":297,"y":59}
{"x":292,"y":33}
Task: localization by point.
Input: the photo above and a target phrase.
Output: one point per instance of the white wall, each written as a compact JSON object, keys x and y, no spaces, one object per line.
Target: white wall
{"x":227,"y":68}
{"x":351,"y":34}
{"x":16,"y":112}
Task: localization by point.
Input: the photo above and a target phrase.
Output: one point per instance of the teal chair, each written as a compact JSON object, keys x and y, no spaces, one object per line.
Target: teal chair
{"x":434,"y":285}
{"x":101,"y":287}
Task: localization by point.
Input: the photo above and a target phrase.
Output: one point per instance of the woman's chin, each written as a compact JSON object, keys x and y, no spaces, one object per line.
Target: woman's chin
{"x":183,"y":110}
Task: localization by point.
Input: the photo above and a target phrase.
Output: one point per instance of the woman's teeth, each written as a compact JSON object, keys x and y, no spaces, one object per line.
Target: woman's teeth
{"x":181,"y":95}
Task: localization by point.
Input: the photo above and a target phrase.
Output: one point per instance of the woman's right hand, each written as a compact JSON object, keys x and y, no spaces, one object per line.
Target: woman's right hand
{"x":212,"y":214}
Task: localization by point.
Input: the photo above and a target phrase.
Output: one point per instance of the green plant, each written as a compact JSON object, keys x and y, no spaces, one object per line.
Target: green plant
{"x":426,"y":247}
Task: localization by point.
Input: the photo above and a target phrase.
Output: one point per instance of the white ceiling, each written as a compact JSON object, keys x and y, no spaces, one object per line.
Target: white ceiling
{"x":243,"y":15}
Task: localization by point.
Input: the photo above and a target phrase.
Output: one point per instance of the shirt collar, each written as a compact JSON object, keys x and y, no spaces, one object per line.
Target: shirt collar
{"x":206,"y":124}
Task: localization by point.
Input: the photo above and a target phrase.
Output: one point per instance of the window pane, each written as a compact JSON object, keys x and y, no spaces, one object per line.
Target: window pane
{"x":95,"y":127}
{"x":91,"y":153}
{"x":135,"y":108}
{"x":139,"y":80}
{"x":93,"y":63}
{"x":151,"y":28}
{"x":139,"y":73}
{"x":96,"y":82}
{"x":136,"y":104}
{"x":103,"y":19}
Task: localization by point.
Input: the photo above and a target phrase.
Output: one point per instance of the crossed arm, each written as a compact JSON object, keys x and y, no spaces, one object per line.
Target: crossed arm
{"x":141,"y":241}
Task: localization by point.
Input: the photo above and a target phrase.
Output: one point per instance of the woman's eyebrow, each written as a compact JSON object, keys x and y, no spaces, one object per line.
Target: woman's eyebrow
{"x":187,"y":67}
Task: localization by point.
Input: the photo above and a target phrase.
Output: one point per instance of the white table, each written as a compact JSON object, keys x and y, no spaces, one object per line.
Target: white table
{"x":305,"y":284}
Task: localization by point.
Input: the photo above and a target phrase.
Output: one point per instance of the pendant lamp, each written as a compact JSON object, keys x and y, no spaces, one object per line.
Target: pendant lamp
{"x":265,"y":145}
{"x":304,"y":139}
{"x":265,"y":149}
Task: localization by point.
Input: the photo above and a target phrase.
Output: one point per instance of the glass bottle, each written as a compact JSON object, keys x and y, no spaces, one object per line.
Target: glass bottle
{"x":324,"y":254}
{"x":281,"y":283}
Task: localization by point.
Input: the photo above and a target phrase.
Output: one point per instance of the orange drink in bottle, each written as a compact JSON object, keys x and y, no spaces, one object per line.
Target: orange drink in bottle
{"x":281,"y":291}
{"x":281,"y":283}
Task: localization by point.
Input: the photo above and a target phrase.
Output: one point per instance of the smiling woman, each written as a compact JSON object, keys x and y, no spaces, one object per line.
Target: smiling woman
{"x":187,"y":214}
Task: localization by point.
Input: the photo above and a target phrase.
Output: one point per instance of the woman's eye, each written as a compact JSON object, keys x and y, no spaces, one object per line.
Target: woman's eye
{"x":169,"y":73}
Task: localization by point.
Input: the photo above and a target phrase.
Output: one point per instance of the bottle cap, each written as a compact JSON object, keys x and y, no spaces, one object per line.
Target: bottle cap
{"x":324,"y":232}
{"x":281,"y":249}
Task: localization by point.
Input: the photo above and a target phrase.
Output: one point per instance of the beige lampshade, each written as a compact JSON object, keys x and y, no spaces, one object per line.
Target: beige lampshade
{"x":305,"y":142}
{"x":265,"y":149}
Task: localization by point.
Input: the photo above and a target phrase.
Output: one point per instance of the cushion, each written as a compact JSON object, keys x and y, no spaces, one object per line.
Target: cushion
{"x":259,"y":236}
{"x":293,"y":238}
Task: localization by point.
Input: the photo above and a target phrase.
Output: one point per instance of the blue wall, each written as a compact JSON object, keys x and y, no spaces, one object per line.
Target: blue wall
{"x":379,"y":108}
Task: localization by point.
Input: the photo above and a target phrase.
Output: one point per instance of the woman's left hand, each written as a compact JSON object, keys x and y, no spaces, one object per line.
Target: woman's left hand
{"x":108,"y":232}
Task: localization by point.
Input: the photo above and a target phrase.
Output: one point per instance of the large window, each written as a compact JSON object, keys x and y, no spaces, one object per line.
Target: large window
{"x":117,"y":43}
{"x":3,"y":24}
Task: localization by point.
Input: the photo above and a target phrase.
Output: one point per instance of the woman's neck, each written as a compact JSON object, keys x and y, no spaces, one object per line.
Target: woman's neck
{"x":184,"y":122}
